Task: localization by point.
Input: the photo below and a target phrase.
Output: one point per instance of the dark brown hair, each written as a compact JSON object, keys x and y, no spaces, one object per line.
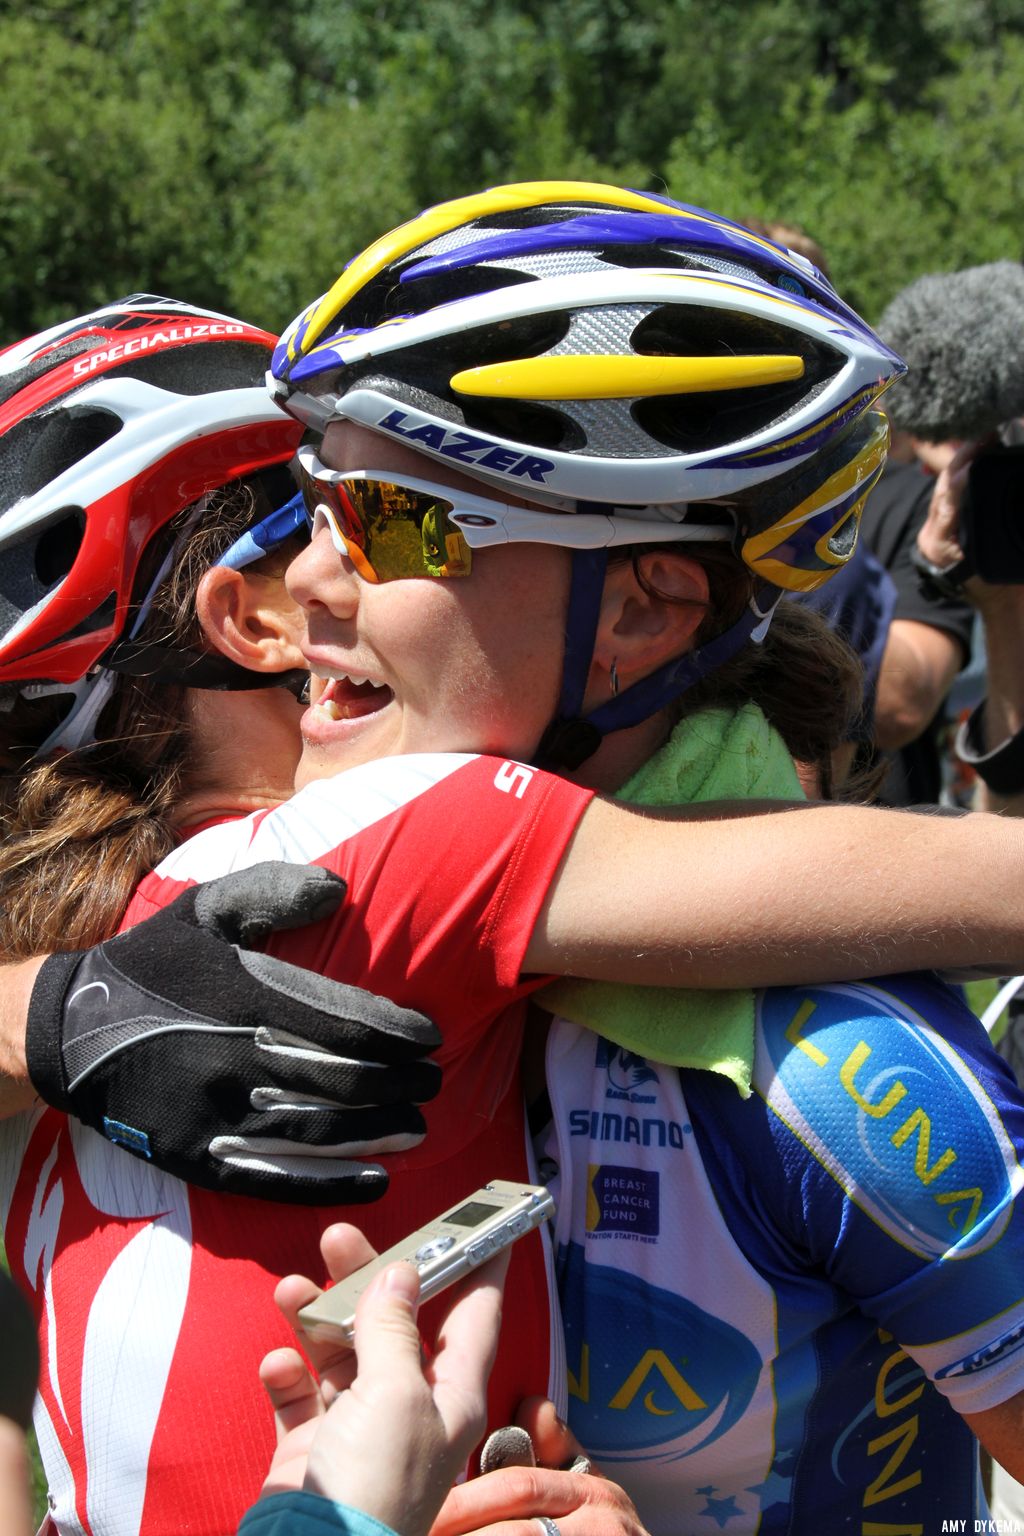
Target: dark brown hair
{"x":804,"y":677}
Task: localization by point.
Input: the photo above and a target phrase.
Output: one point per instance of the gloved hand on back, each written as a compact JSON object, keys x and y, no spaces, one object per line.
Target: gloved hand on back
{"x":234,"y":1070}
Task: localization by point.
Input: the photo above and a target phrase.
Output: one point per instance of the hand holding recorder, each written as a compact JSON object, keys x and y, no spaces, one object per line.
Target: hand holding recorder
{"x":396,"y":1433}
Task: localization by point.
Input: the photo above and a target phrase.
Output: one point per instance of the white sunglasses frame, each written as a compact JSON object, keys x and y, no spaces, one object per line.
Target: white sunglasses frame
{"x":485,"y":522}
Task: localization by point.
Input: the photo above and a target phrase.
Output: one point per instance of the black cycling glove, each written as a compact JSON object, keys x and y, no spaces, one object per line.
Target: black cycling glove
{"x":229,"y":1068}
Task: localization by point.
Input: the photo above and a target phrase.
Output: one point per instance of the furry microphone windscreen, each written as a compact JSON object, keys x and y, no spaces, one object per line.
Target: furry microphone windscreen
{"x":962,"y":335}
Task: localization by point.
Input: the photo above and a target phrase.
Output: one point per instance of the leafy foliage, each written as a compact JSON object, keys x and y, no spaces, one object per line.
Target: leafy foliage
{"x":238,"y":152}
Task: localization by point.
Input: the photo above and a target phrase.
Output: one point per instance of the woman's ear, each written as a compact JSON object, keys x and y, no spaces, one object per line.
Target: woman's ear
{"x":250,"y":618}
{"x":646,"y":622}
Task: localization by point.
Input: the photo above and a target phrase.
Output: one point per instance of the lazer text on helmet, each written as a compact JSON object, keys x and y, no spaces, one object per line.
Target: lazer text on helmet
{"x":465,"y":448}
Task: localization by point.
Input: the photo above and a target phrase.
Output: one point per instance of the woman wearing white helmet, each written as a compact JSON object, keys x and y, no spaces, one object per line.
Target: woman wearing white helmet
{"x":658,"y":374}
{"x":754,"y":1289}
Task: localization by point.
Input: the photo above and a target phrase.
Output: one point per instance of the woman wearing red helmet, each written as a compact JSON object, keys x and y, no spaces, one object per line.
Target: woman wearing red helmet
{"x":145,"y":487}
{"x":117,"y":426}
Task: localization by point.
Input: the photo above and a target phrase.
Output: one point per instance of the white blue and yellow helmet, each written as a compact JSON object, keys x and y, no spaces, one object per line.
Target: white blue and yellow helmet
{"x":594,"y":348}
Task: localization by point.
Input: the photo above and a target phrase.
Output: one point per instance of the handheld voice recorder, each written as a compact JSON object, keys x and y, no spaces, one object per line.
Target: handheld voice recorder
{"x":443,"y":1250}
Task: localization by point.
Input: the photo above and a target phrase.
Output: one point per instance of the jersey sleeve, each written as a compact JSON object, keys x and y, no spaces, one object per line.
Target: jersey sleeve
{"x":899,"y":1132}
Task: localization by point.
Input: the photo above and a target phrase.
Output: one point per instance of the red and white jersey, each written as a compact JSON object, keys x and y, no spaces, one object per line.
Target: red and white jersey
{"x":155,"y":1299}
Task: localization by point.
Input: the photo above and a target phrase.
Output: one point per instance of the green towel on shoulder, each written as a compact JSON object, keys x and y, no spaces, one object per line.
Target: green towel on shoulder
{"x":717,"y":754}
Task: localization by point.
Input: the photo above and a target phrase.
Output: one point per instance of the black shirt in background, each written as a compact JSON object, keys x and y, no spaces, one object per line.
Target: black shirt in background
{"x":893,"y":513}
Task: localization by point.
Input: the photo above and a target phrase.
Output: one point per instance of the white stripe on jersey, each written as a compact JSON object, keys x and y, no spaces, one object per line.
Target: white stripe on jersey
{"x":123,"y":1389}
{"x":14,"y":1138}
{"x":320,"y":817}
{"x":140,"y":1301}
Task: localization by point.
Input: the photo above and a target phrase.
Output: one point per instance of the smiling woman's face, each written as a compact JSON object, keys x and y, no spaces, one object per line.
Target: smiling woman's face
{"x":470,"y":664}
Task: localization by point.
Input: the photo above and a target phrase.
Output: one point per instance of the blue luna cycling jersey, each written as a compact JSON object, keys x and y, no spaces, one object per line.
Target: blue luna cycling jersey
{"x":777,"y":1309}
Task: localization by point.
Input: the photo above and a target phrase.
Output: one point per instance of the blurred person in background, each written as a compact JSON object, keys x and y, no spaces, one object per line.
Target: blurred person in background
{"x":965,"y":331}
{"x":963,"y":336}
{"x":992,"y":742}
{"x":927,"y":644}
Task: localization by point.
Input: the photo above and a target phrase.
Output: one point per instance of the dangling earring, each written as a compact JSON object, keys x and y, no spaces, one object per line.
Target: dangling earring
{"x":614,"y":675}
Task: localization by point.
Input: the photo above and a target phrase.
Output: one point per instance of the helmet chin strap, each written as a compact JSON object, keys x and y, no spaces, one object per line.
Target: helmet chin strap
{"x":573,"y":737}
{"x":196,"y":669}
{"x":90,"y":694}
{"x":569,"y":740}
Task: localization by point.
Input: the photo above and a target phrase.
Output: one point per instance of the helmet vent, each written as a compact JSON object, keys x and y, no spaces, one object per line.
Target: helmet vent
{"x":417,"y":295}
{"x":542,"y":426}
{"x":426,"y":371}
{"x":33,"y":567}
{"x":58,"y":545}
{"x":685,"y":330}
{"x":530,"y":217}
{"x":503,"y":342}
{"x":702,"y":421}
{"x":42,"y":363}
{"x":35,"y":451}
{"x":384,"y":299}
{"x":198,"y":369}
{"x":844,"y":538}
{"x":643,"y":258}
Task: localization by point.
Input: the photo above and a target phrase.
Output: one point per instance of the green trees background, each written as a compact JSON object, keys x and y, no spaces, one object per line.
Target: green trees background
{"x":238,"y":152}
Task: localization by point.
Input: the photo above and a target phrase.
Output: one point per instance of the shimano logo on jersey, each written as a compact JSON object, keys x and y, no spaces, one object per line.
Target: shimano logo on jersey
{"x":628,"y":1130}
{"x":465,"y":447}
{"x":1007,"y":1344}
{"x":892,"y":1111}
{"x":626,"y":1073}
{"x":144,"y":343}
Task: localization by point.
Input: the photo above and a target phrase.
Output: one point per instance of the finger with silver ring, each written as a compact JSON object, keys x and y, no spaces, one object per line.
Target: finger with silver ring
{"x":548,"y":1527}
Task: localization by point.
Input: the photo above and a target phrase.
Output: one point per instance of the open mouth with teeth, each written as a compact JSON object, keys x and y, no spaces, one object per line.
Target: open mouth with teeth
{"x":349,"y":698}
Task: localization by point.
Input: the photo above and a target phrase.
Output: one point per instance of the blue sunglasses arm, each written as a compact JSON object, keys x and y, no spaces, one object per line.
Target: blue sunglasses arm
{"x":266,"y":536}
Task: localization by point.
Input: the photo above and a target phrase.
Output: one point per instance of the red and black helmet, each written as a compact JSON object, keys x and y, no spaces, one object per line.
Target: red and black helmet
{"x":111,"y":424}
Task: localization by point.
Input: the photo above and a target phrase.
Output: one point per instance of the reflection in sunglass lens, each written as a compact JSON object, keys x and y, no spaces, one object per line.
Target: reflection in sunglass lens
{"x":399,"y":531}
{"x":407,"y":532}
